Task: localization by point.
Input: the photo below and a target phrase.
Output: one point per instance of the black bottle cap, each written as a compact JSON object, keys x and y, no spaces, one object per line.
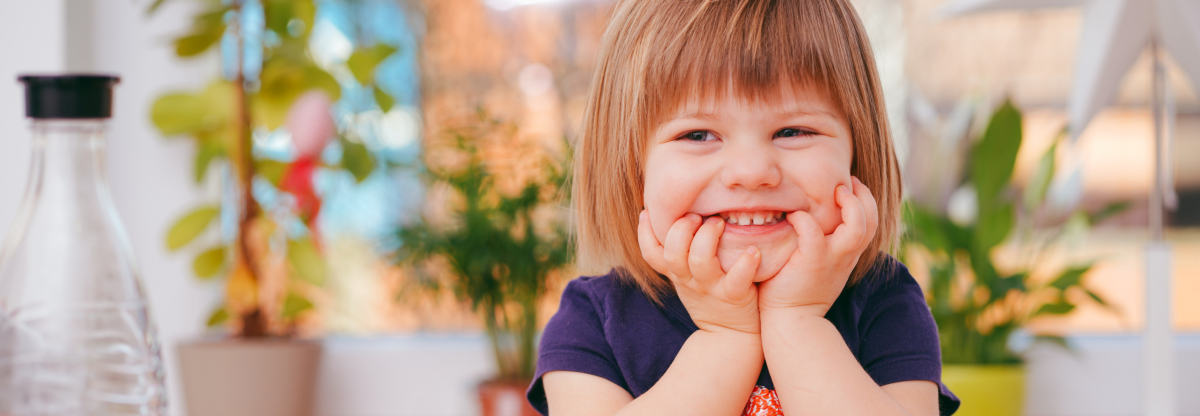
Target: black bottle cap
{"x":68,"y":96}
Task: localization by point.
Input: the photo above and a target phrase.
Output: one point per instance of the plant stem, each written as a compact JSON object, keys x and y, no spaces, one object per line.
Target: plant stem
{"x":254,"y":323}
{"x":527,"y":351}
{"x":493,"y":334}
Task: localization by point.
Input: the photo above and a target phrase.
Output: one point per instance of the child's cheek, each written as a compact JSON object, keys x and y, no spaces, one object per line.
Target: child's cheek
{"x":663,"y":217}
{"x":827,"y":213}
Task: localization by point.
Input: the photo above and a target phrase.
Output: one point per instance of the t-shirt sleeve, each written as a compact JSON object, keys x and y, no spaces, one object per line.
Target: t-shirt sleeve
{"x":574,"y":341}
{"x":900,"y":338}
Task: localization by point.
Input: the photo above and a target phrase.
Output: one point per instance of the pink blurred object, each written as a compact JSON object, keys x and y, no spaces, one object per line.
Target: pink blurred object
{"x":310,"y":120}
{"x":298,"y":181}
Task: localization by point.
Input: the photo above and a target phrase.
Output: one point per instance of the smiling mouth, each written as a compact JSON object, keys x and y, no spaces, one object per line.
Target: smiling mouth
{"x":753,"y":218}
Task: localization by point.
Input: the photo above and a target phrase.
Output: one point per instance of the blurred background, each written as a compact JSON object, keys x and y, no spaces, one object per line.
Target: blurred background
{"x":402,"y":76}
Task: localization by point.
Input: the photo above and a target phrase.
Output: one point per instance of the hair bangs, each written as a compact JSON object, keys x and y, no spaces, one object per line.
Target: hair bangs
{"x":751,"y":50}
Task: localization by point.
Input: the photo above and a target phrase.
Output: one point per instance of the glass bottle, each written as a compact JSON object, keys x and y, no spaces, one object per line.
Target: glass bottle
{"x":75,"y":334}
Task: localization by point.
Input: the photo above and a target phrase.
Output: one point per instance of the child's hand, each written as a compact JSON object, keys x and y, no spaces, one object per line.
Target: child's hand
{"x":717,"y":301}
{"x":817,"y":272}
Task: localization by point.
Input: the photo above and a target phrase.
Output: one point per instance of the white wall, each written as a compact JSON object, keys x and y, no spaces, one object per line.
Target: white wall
{"x":404,"y":375}
{"x":31,"y":35}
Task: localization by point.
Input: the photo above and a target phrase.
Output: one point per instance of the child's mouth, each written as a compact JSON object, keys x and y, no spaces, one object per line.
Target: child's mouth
{"x":751,"y":218}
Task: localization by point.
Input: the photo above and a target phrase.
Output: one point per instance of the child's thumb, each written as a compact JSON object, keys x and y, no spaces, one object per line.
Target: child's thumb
{"x":740,"y":278}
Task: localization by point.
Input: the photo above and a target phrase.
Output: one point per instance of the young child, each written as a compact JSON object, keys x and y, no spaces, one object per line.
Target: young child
{"x":736,"y":174}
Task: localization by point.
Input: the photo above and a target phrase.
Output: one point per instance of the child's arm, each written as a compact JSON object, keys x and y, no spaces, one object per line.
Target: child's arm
{"x":813,"y":370}
{"x":816,"y":373}
{"x":716,"y":369}
{"x":712,"y":375}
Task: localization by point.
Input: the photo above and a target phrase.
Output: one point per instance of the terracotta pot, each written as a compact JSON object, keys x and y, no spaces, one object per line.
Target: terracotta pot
{"x":504,"y":398}
{"x":249,"y":377}
{"x":987,"y":390}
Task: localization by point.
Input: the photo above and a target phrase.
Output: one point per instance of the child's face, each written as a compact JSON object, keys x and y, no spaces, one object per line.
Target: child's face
{"x":751,"y":161}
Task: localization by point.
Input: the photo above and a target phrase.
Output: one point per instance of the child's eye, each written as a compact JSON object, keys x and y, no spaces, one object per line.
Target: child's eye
{"x":698,"y":136}
{"x":793,"y":132}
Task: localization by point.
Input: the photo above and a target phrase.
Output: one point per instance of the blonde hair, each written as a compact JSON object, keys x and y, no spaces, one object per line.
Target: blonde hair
{"x":655,"y":54}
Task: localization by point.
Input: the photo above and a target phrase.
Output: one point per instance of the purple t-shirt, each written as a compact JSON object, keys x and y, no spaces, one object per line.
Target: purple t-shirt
{"x":607,"y":327}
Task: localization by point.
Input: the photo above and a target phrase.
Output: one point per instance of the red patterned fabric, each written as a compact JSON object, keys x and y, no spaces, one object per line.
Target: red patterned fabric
{"x":763,"y":402}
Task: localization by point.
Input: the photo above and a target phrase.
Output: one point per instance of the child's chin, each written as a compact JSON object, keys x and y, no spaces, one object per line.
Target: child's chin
{"x":773,"y":258}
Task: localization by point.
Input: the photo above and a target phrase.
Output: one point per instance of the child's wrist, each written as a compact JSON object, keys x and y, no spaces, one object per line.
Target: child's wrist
{"x":773,"y":312}
{"x":731,"y":336}
{"x":751,"y":330}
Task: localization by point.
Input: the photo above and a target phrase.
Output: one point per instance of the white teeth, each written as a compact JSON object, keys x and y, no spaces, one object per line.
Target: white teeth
{"x":752,"y":218}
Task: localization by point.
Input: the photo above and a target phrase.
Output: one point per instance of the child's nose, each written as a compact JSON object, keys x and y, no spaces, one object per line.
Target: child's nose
{"x":750,"y":167}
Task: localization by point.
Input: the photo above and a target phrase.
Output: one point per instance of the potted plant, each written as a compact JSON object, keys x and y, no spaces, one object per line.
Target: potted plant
{"x":979,"y":302}
{"x":500,"y":241}
{"x":268,"y":252}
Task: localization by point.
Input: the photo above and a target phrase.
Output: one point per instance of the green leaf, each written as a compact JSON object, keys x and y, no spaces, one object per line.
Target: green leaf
{"x":363,"y":61}
{"x":268,"y":111}
{"x":1039,"y":184}
{"x":1000,"y":287}
{"x":271,"y":170}
{"x":925,"y":228}
{"x":357,"y":159}
{"x":993,"y":227}
{"x":993,"y":158}
{"x":207,"y":30}
{"x":218,"y":316}
{"x":205,"y":153}
{"x":306,"y":261}
{"x":1071,"y":277}
{"x":1095,"y":297}
{"x":219,"y":97}
{"x":1058,"y":308}
{"x":196,"y":43}
{"x":295,"y":304}
{"x":277,"y":15}
{"x":984,"y":268}
{"x":384,"y":100}
{"x":177,"y":113}
{"x":317,"y":78}
{"x":1108,"y":211}
{"x":306,"y":12}
{"x":280,"y":15}
{"x":208,"y":263}
{"x":190,"y":226}
{"x":154,"y":6}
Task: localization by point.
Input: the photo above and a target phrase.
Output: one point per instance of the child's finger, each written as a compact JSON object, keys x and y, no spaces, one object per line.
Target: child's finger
{"x":702,"y":258}
{"x":811,"y":237}
{"x":740,"y":279}
{"x":870,"y":210}
{"x":652,"y":251}
{"x":848,"y":236}
{"x":679,"y":242}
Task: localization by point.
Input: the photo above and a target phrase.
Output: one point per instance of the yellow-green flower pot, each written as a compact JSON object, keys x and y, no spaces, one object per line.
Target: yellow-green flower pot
{"x":987,"y":390}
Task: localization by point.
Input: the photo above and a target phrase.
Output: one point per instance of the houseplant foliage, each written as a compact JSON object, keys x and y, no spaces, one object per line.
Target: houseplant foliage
{"x":503,"y":240}
{"x":270,"y":81}
{"x":977,"y":303}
